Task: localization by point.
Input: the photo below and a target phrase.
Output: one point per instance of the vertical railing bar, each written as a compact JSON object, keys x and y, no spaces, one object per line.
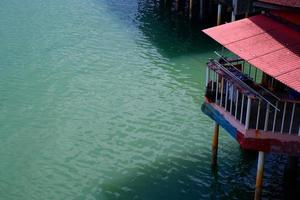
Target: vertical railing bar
{"x":236,"y":103}
{"x":272,"y":83}
{"x":222,"y":88}
{"x":231,"y":99}
{"x":248,"y":113}
{"x":258,"y":114}
{"x":283,"y":117}
{"x":217,"y":87}
{"x":212,"y":81}
{"x":207,"y":76}
{"x":292,"y":118}
{"x":275,"y":115}
{"x":242,"y":109}
{"x":267,"y":118}
{"x":226,"y":95}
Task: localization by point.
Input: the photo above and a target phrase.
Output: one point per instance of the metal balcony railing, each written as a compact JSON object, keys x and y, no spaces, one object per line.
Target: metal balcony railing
{"x":252,"y":105}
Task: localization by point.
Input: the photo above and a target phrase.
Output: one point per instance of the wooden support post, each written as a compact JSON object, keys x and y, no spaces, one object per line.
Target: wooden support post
{"x":219,"y":14}
{"x":191,"y":9}
{"x":214,"y":146}
{"x":259,"y":175}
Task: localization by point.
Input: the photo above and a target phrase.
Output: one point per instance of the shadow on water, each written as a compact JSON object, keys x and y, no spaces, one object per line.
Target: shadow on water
{"x":173,"y":178}
{"x":172,"y":34}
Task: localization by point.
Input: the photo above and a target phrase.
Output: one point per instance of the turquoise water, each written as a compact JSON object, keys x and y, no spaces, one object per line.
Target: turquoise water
{"x":101,"y":100}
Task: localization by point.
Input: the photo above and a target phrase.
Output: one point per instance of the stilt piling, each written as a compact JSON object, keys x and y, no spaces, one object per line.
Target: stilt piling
{"x":214,"y":146}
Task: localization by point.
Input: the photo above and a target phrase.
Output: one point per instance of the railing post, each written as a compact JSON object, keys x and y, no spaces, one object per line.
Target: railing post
{"x":212,"y":80}
{"x":292,"y":118}
{"x":231,"y":99}
{"x":242,"y":109}
{"x":207,"y":76}
{"x":248,"y":113}
{"x":226,"y":95}
{"x":275,"y":115}
{"x":258,"y":114}
{"x":217,"y":87}
{"x":267,"y":117}
{"x":222,"y":88}
{"x":283,"y":117}
{"x":236,"y":103}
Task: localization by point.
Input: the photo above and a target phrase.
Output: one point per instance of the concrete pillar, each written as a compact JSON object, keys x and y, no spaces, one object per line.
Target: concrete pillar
{"x":259,"y":175}
{"x":214,"y":146}
{"x":219,"y":14}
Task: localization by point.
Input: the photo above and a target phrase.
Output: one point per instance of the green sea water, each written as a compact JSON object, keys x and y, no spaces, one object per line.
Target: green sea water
{"x":102,"y":100}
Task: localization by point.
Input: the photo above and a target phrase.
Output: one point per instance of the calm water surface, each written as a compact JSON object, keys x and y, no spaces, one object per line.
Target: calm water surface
{"x":101,"y":100}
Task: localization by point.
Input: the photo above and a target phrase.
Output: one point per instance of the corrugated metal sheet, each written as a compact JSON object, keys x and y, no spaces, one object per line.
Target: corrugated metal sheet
{"x":265,"y":43}
{"x":289,"y":3}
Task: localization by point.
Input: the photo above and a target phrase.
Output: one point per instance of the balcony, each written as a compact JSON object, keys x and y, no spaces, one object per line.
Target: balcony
{"x":250,"y":100}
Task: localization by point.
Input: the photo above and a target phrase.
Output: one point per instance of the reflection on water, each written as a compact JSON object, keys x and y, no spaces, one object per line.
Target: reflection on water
{"x":101,"y":100}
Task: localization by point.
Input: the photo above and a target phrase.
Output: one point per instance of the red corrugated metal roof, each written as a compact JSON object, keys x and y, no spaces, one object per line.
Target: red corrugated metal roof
{"x":289,"y":3}
{"x":265,"y":43}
